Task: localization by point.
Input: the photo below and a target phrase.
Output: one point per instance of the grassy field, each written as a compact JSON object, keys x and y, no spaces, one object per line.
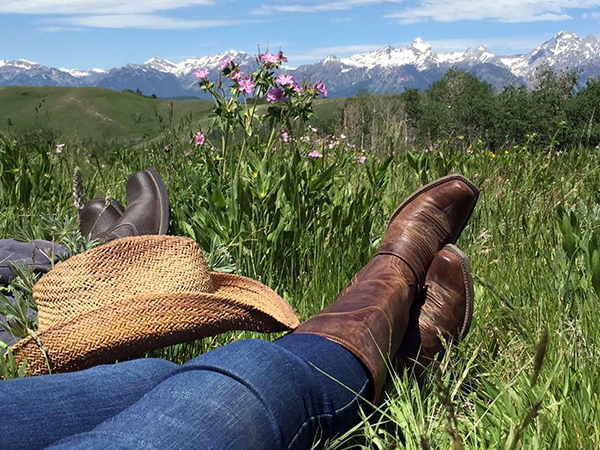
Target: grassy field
{"x":102,"y":115}
{"x":91,"y":113}
{"x":305,"y":226}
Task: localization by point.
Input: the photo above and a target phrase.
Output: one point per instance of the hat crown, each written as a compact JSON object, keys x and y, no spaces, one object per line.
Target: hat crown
{"x":142,"y":265}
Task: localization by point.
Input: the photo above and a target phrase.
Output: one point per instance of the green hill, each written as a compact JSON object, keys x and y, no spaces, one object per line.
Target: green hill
{"x":97,"y":114}
{"x":102,"y":114}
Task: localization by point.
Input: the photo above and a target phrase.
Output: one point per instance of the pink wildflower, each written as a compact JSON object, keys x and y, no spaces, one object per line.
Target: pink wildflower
{"x":269,"y":58}
{"x":362,"y":159}
{"x":315,"y":154}
{"x":297,"y":88}
{"x":275,"y":95}
{"x":280,"y":57}
{"x":246,"y":85}
{"x":320,"y":87}
{"x":199,"y":139}
{"x":224,"y":63}
{"x":285,"y":137}
{"x":313,"y":129}
{"x":201,"y":74}
{"x":235,"y":75}
{"x":285,"y":80}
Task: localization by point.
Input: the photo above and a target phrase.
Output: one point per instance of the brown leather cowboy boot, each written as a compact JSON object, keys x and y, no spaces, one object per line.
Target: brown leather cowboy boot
{"x":147,"y":209}
{"x":445,"y":313}
{"x":98,"y":215}
{"x":370,"y":316}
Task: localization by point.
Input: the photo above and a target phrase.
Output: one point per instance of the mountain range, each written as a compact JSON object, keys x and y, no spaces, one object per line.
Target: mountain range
{"x":387,"y":70}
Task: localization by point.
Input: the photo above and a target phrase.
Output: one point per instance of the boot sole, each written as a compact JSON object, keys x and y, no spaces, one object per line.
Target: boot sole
{"x":432,"y":185}
{"x":465,"y":266}
{"x":164,"y":199}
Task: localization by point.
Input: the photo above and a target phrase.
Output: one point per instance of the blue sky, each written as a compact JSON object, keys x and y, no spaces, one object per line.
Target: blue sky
{"x":106,"y":33}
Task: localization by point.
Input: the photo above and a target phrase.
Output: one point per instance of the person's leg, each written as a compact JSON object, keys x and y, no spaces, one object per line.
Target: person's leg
{"x":39,"y":255}
{"x":251,"y":394}
{"x":39,"y":411}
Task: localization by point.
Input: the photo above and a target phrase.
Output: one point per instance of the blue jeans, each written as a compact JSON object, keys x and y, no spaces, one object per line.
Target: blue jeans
{"x":250,"y":394}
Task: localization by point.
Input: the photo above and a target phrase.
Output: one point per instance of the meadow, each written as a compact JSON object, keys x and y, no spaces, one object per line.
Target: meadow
{"x":102,"y":116}
{"x":303,"y":213}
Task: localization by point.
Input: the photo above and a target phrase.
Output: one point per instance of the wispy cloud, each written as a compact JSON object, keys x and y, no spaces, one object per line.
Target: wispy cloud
{"x":59,"y":29}
{"x":592,"y":15}
{"x":95,"y":6}
{"x":313,"y":6}
{"x":497,"y":10}
{"x":143,"y":21}
{"x":75,"y":15}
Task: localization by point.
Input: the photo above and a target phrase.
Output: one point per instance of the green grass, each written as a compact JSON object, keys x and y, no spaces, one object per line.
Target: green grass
{"x":305,"y":227}
{"x":103,"y":115}
{"x":91,"y":113}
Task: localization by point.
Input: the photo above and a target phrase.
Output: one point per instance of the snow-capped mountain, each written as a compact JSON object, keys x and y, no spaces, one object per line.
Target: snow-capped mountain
{"x":211,"y":62}
{"x":82,"y":73}
{"x":162,"y":65}
{"x":386,"y":70}
{"x":28,"y":73}
{"x":418,"y":54}
{"x":565,"y":51}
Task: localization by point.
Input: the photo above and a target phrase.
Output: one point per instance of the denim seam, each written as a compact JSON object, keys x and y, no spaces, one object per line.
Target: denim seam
{"x":337,"y":411}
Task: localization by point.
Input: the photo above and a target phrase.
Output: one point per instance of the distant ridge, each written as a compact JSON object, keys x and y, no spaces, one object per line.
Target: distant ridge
{"x":386,"y":70}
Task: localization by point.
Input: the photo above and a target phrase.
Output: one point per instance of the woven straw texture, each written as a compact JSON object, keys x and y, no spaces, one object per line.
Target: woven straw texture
{"x":138,"y":294}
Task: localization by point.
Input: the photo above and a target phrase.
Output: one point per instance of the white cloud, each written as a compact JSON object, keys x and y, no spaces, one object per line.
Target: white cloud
{"x":142,"y":21}
{"x":131,"y":14}
{"x":592,"y":15}
{"x":498,"y":10}
{"x":94,"y":6}
{"x":317,"y":6}
{"x":59,"y":29}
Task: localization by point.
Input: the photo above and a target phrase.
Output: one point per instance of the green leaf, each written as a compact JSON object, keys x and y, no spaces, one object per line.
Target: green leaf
{"x":218,"y":199}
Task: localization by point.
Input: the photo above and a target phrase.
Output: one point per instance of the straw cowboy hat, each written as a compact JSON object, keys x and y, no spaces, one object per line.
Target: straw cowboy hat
{"x":137,"y":294}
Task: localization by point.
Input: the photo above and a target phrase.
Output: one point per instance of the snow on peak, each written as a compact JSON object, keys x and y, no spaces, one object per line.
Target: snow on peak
{"x":450,"y":58}
{"x":563,"y":51}
{"x":82,"y":73}
{"x":420,"y":46}
{"x":330,"y":59}
{"x":21,"y":64}
{"x":479,"y":55}
{"x":418,"y":53}
{"x":564,"y":35}
{"x":211,"y":62}
{"x":74,"y":72}
{"x":161,"y":64}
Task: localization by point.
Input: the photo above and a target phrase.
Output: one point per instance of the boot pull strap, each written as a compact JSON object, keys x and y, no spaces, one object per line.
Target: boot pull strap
{"x":397,"y":250}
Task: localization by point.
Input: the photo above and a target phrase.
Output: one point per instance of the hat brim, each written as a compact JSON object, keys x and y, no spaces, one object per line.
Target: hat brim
{"x":138,"y":324}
